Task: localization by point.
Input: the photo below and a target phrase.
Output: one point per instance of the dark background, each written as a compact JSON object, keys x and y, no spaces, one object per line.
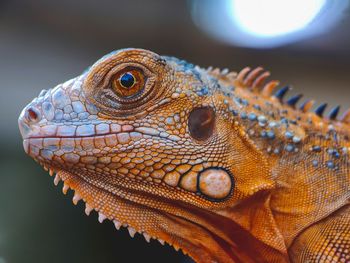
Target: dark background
{"x":43,"y":43}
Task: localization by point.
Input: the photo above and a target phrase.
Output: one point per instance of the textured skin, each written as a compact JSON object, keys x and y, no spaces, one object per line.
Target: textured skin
{"x":247,"y":179}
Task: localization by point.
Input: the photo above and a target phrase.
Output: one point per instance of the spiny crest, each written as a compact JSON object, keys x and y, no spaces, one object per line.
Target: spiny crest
{"x":255,"y":80}
{"x":222,"y":74}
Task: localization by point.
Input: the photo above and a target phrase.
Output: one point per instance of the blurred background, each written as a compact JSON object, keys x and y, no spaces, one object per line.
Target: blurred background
{"x":43,"y":43}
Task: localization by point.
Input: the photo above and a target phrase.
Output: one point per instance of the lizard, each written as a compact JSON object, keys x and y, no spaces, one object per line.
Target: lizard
{"x":216,"y":163}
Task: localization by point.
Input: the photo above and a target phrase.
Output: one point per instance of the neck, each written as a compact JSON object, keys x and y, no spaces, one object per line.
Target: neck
{"x":303,"y":179}
{"x":305,"y":153}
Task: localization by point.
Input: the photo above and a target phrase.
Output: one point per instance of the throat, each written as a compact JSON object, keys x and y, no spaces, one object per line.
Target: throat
{"x":230,"y":237}
{"x":254,"y":229}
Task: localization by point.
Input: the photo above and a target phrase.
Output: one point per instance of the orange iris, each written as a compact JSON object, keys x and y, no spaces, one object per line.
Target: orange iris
{"x":128,"y":82}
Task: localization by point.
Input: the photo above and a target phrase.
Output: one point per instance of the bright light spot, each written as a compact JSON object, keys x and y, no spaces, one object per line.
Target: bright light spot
{"x":269,"y":18}
{"x":267,"y":23}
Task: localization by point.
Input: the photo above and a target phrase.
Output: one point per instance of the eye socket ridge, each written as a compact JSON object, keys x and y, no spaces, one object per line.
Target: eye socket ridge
{"x":112,"y":104}
{"x":112,"y":93}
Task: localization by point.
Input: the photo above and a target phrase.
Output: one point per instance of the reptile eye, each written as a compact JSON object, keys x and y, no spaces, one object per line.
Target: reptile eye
{"x":201,"y":123}
{"x":128,"y":82}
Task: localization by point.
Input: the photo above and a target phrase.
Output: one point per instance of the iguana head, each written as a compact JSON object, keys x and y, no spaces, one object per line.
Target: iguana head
{"x":152,"y":143}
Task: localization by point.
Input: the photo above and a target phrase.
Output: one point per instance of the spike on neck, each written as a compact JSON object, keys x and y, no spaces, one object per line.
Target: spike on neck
{"x":275,"y":126}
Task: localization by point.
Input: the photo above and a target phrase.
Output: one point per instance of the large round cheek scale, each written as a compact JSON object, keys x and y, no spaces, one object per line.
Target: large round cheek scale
{"x":215,"y":183}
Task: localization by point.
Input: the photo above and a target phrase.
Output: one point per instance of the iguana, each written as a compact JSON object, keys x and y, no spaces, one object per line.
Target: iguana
{"x":214,"y":163}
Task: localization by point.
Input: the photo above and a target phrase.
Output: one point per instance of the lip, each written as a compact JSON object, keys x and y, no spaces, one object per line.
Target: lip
{"x":130,"y":130}
{"x":111,"y":139}
{"x":24,"y":128}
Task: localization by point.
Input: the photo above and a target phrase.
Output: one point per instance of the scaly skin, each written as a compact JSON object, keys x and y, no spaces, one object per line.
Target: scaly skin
{"x":205,"y":160}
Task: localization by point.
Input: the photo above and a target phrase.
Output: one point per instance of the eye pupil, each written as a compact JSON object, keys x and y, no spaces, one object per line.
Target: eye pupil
{"x":127,"y":80}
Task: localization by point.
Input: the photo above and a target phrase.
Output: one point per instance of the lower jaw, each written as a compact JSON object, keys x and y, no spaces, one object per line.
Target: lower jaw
{"x":135,"y":217}
{"x":150,"y":222}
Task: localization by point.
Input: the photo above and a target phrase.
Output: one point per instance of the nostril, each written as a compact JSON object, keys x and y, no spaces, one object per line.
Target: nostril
{"x":32,"y":115}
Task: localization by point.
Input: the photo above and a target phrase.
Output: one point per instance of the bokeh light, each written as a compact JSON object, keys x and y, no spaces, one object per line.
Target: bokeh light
{"x":271,"y":18}
{"x":268,"y":23}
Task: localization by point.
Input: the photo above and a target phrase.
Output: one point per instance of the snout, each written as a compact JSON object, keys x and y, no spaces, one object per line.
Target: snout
{"x":54,"y":122}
